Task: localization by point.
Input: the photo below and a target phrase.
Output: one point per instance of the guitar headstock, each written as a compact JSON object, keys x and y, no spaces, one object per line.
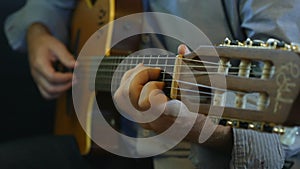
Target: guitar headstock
{"x":262,"y":82}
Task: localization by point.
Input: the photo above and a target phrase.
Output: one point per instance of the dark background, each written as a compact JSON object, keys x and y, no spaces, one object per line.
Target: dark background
{"x":23,"y":112}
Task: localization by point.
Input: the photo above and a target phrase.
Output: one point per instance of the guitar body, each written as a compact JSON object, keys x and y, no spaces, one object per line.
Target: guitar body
{"x":88,"y":17}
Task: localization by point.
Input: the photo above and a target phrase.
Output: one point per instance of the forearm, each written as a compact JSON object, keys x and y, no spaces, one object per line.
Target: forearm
{"x":221,"y":138}
{"x":216,"y":151}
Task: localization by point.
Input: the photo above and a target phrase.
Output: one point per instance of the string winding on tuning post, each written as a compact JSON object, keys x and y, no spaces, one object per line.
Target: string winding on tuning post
{"x":244,"y":72}
{"x":269,"y":44}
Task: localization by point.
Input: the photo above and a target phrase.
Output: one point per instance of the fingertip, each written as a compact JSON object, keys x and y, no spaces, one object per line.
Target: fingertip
{"x":76,"y":64}
{"x":71,"y":63}
{"x":65,"y":56}
{"x":182,"y":49}
{"x":139,"y":65}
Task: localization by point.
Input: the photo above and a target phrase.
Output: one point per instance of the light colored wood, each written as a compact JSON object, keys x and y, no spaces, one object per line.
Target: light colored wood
{"x":281,"y":89}
{"x":266,"y":74}
{"x":219,"y":96}
{"x":176,"y":74}
{"x":86,"y":21}
{"x":244,"y":71}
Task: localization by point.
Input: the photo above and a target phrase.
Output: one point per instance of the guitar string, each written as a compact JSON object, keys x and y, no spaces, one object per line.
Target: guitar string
{"x":206,"y":95}
{"x":187,"y":89}
{"x":181,"y":73}
{"x":105,"y":79}
{"x":210,"y":95}
{"x":160,"y":65}
{"x":190,"y":84}
{"x":95,"y":66}
{"x":106,"y":63}
{"x":165,"y":65}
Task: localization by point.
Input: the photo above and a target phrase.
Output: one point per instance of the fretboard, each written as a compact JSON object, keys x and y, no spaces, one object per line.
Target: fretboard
{"x":112,"y":68}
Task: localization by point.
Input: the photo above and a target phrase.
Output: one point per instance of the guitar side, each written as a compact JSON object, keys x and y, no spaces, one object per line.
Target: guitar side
{"x":87,"y":19}
{"x":84,"y":24}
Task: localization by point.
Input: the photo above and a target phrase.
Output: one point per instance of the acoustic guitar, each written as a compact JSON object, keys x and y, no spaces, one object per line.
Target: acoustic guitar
{"x":262,"y":79}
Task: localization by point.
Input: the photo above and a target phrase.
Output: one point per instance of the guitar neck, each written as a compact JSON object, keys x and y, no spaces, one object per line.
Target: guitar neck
{"x":260,"y":84}
{"x":112,"y":68}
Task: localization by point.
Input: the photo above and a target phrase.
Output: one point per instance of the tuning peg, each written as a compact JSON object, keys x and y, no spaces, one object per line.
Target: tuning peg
{"x":227,"y":41}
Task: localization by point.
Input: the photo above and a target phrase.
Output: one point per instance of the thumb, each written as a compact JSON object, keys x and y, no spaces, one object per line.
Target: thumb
{"x":183,"y":50}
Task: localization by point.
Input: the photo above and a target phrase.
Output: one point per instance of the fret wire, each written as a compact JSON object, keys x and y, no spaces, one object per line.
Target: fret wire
{"x":143,"y":59}
{"x":136,"y":61}
{"x":127,"y":66}
{"x":165,"y":68}
{"x":131,"y":62}
{"x":150,"y":60}
{"x":157,"y":60}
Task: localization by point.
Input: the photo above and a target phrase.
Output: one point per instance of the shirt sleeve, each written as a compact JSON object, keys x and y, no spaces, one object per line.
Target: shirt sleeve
{"x":271,"y":19}
{"x":256,"y":150}
{"x":54,"y":14}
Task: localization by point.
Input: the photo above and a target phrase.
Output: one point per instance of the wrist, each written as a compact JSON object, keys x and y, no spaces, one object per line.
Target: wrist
{"x":36,"y":30}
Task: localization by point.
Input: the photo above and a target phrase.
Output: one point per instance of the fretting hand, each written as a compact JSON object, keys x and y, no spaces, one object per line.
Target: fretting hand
{"x":139,"y":85}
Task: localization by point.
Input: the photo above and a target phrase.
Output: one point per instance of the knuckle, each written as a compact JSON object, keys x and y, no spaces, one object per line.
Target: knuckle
{"x":51,"y":90}
{"x":48,"y":97}
{"x":44,"y":93}
{"x":150,"y":84}
{"x":50,"y":77}
{"x":35,"y":64}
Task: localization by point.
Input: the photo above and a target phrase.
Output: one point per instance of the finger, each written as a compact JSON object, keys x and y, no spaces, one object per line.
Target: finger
{"x":59,"y":78}
{"x":45,"y":68}
{"x":63,"y":55}
{"x":129,"y":73}
{"x":46,"y":95}
{"x":183,"y":50}
{"x":139,"y":79}
{"x":144,"y":99}
{"x":48,"y":88}
{"x":53,"y":90}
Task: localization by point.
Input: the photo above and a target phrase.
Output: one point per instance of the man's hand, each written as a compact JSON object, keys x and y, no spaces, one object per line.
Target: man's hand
{"x":140,"y":87}
{"x":43,"y":51}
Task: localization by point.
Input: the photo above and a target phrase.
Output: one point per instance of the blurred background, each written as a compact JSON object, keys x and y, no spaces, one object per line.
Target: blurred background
{"x":24,"y":113}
